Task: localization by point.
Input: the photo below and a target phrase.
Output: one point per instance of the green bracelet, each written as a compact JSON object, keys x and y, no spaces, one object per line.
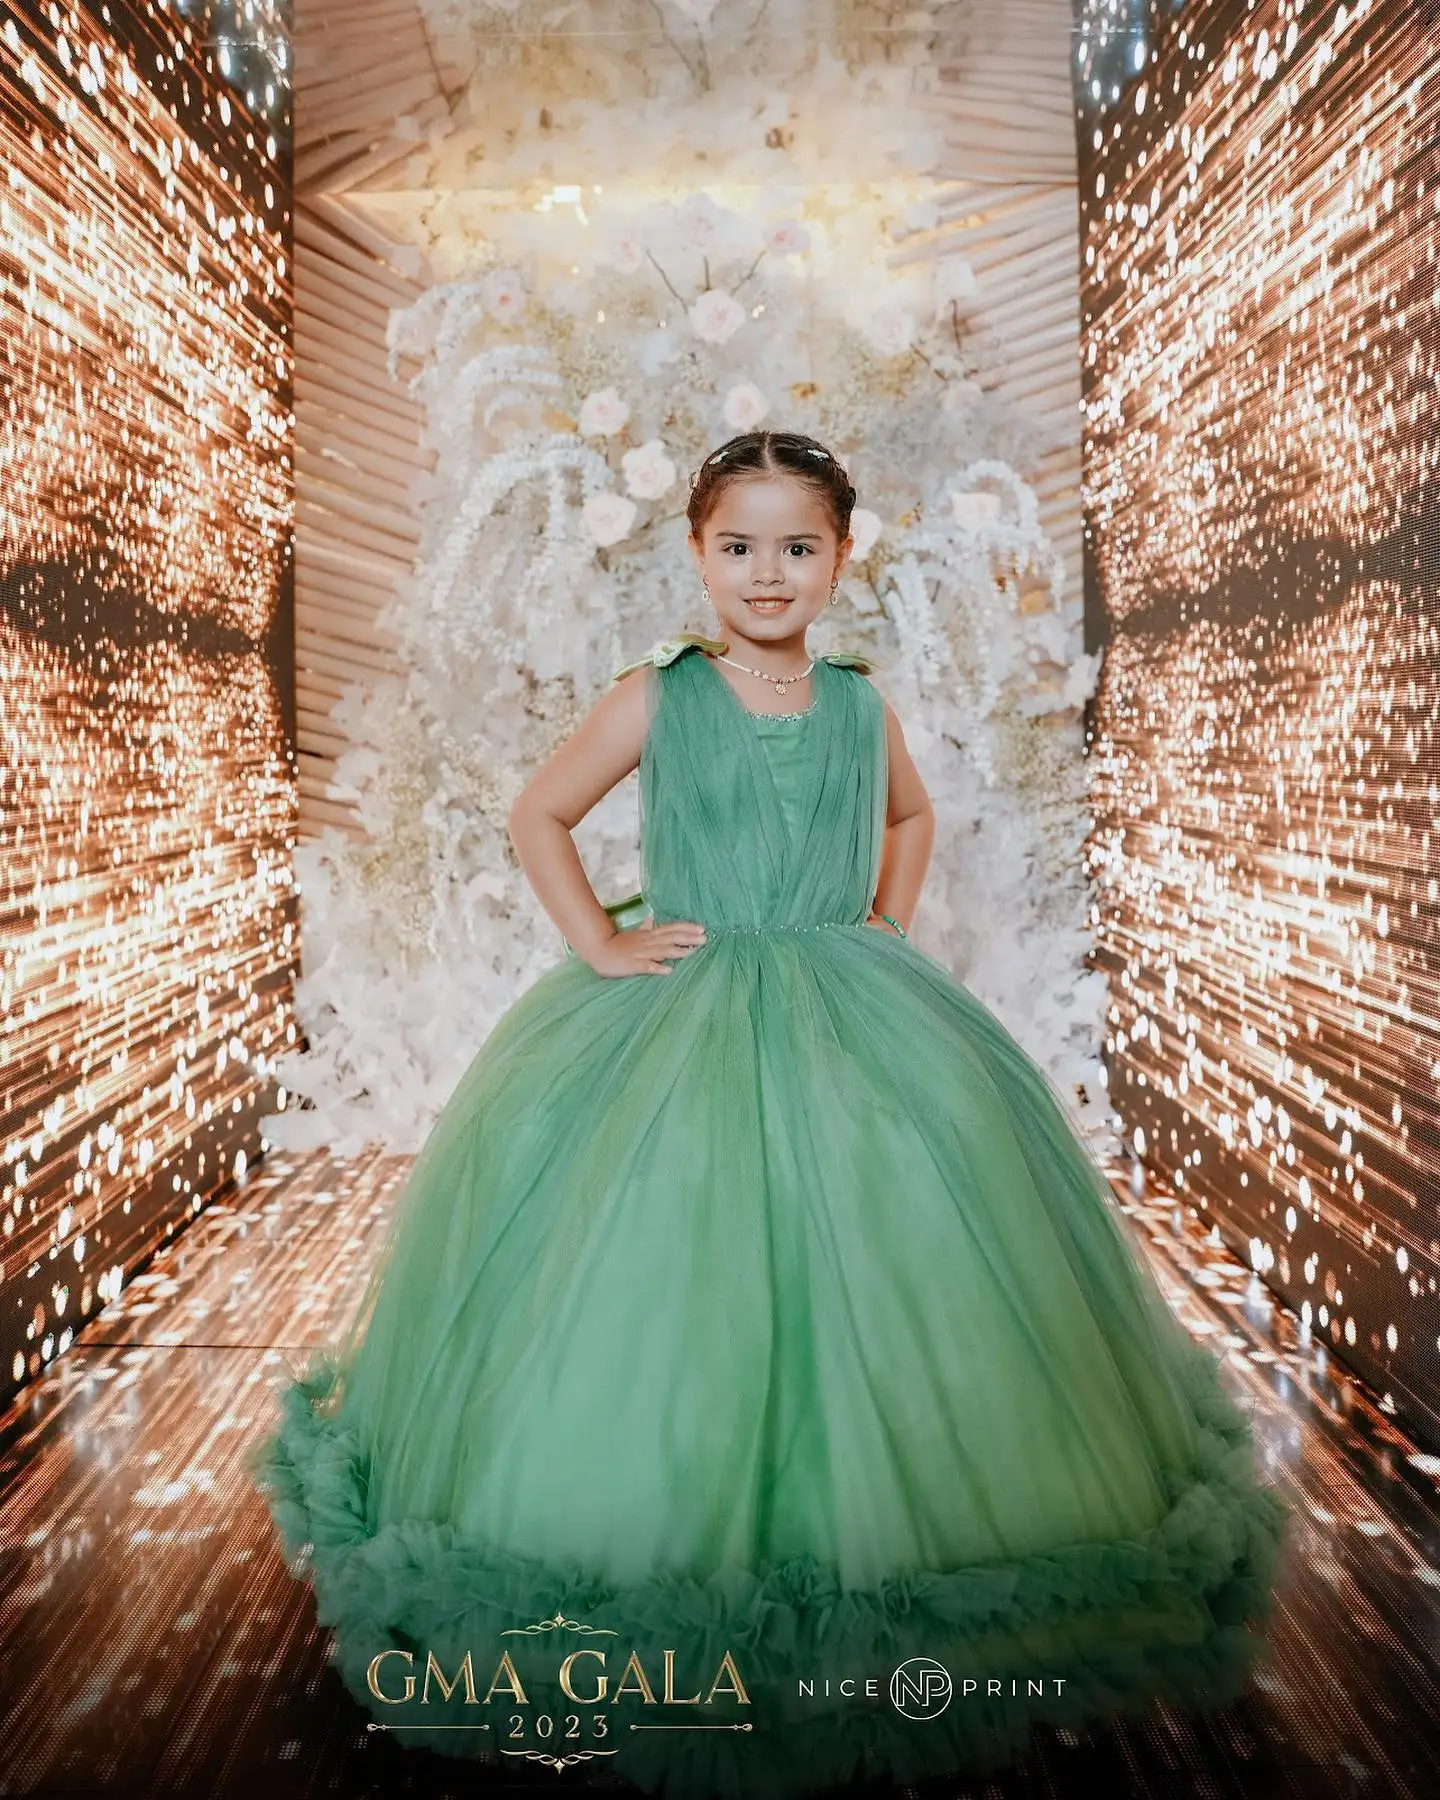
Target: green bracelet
{"x":895,"y":922}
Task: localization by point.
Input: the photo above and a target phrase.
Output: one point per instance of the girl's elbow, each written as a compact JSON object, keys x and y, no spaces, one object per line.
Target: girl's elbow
{"x":525,"y":810}
{"x":518,"y":814}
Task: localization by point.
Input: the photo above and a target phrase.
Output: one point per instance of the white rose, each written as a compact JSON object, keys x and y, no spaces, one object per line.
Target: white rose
{"x":700,"y":223}
{"x":745,"y":406}
{"x":789,"y":237}
{"x":627,"y":253}
{"x":608,"y":517}
{"x":716,"y":316}
{"x":503,"y":294}
{"x":648,"y":470}
{"x":865,"y":528}
{"x":602,"y":413}
{"x":891,"y":329}
{"x":973,"y":512}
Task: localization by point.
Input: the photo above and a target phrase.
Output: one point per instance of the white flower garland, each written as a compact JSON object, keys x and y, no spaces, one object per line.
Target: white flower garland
{"x":586,"y":355}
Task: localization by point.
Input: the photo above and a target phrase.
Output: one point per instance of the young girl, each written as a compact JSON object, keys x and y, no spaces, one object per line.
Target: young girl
{"x":758,"y":1383}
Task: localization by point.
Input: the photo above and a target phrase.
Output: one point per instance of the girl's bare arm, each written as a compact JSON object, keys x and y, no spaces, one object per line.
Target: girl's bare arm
{"x":909,"y":831}
{"x":601,"y":753}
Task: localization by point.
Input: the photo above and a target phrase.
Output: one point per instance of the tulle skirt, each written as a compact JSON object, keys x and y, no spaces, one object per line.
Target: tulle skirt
{"x":771,"y":1314}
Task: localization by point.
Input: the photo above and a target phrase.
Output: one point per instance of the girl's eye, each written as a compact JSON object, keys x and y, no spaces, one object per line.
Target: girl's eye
{"x":804,"y":549}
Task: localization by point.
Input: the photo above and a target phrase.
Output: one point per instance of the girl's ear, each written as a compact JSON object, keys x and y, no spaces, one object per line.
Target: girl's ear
{"x":842,"y":556}
{"x":696,"y":551}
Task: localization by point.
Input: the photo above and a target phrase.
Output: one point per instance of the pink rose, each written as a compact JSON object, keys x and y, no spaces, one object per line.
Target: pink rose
{"x":789,"y":237}
{"x":745,"y":406}
{"x":627,"y":252}
{"x":648,"y":470}
{"x":608,"y":517}
{"x":603,"y":413}
{"x":503,"y":294}
{"x":716,"y":316}
{"x":700,"y":222}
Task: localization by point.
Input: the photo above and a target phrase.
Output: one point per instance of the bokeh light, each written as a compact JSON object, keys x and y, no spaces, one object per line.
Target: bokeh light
{"x":1261,"y":348}
{"x":147,"y":797}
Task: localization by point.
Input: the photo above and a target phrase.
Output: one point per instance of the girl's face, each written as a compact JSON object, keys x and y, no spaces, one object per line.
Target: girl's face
{"x":769,"y":554}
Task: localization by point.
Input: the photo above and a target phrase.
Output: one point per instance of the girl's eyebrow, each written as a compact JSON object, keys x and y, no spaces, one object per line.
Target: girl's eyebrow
{"x":794,"y":537}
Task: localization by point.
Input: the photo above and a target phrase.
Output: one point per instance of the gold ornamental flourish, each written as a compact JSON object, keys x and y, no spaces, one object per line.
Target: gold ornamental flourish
{"x":558,"y":1623}
{"x":560,"y":1762}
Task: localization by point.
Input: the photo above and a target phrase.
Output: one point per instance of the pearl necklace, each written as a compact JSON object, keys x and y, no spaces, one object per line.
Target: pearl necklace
{"x":781,"y":683}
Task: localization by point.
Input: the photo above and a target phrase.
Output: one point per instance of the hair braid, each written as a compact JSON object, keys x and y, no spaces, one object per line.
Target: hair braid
{"x":771,"y":453}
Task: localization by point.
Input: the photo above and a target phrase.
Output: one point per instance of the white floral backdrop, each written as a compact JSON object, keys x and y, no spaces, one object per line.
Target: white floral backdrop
{"x":651,"y":226}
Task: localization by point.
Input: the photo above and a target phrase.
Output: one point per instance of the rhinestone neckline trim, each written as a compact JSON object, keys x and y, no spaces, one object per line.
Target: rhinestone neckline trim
{"x":790,"y":715}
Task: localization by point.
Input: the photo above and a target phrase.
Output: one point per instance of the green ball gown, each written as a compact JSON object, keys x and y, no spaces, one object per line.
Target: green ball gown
{"x":757,"y":1379}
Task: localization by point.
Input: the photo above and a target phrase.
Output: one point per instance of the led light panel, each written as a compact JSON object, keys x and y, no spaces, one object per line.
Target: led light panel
{"x":1261,"y":345}
{"x":147,"y":795}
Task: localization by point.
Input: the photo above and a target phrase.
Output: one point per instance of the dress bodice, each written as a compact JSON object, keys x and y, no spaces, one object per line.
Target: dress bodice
{"x":782,"y":738}
{"x":752,"y":819}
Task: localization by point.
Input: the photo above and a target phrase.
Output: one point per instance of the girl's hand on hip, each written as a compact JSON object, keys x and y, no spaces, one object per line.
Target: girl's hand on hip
{"x":884,"y":924}
{"x":647,"y":949}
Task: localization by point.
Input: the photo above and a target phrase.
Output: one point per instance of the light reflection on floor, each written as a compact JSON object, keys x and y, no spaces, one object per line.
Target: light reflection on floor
{"x":152,"y":1641}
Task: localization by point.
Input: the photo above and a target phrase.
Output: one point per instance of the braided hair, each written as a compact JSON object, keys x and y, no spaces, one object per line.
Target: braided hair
{"x":771,"y":453}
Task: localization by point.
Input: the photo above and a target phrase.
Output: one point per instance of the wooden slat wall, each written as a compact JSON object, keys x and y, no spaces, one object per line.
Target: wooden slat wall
{"x":356,"y":456}
{"x":1011,"y":207}
{"x":369,"y":89}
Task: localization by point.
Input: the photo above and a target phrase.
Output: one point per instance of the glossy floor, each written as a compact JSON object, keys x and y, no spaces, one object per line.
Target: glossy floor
{"x":152,"y":1641}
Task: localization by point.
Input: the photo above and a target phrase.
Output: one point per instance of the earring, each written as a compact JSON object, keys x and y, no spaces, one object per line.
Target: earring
{"x":833,"y":585}
{"x":705,"y":590}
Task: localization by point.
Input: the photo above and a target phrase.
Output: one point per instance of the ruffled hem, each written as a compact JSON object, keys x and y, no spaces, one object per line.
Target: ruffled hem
{"x":1107,"y":1628}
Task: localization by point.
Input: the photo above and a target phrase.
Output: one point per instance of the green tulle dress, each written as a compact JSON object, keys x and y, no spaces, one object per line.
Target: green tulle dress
{"x":772,"y":1314}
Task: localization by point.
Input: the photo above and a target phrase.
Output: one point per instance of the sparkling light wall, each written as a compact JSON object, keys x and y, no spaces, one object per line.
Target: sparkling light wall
{"x":1261,"y":341}
{"x":147,"y":793}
